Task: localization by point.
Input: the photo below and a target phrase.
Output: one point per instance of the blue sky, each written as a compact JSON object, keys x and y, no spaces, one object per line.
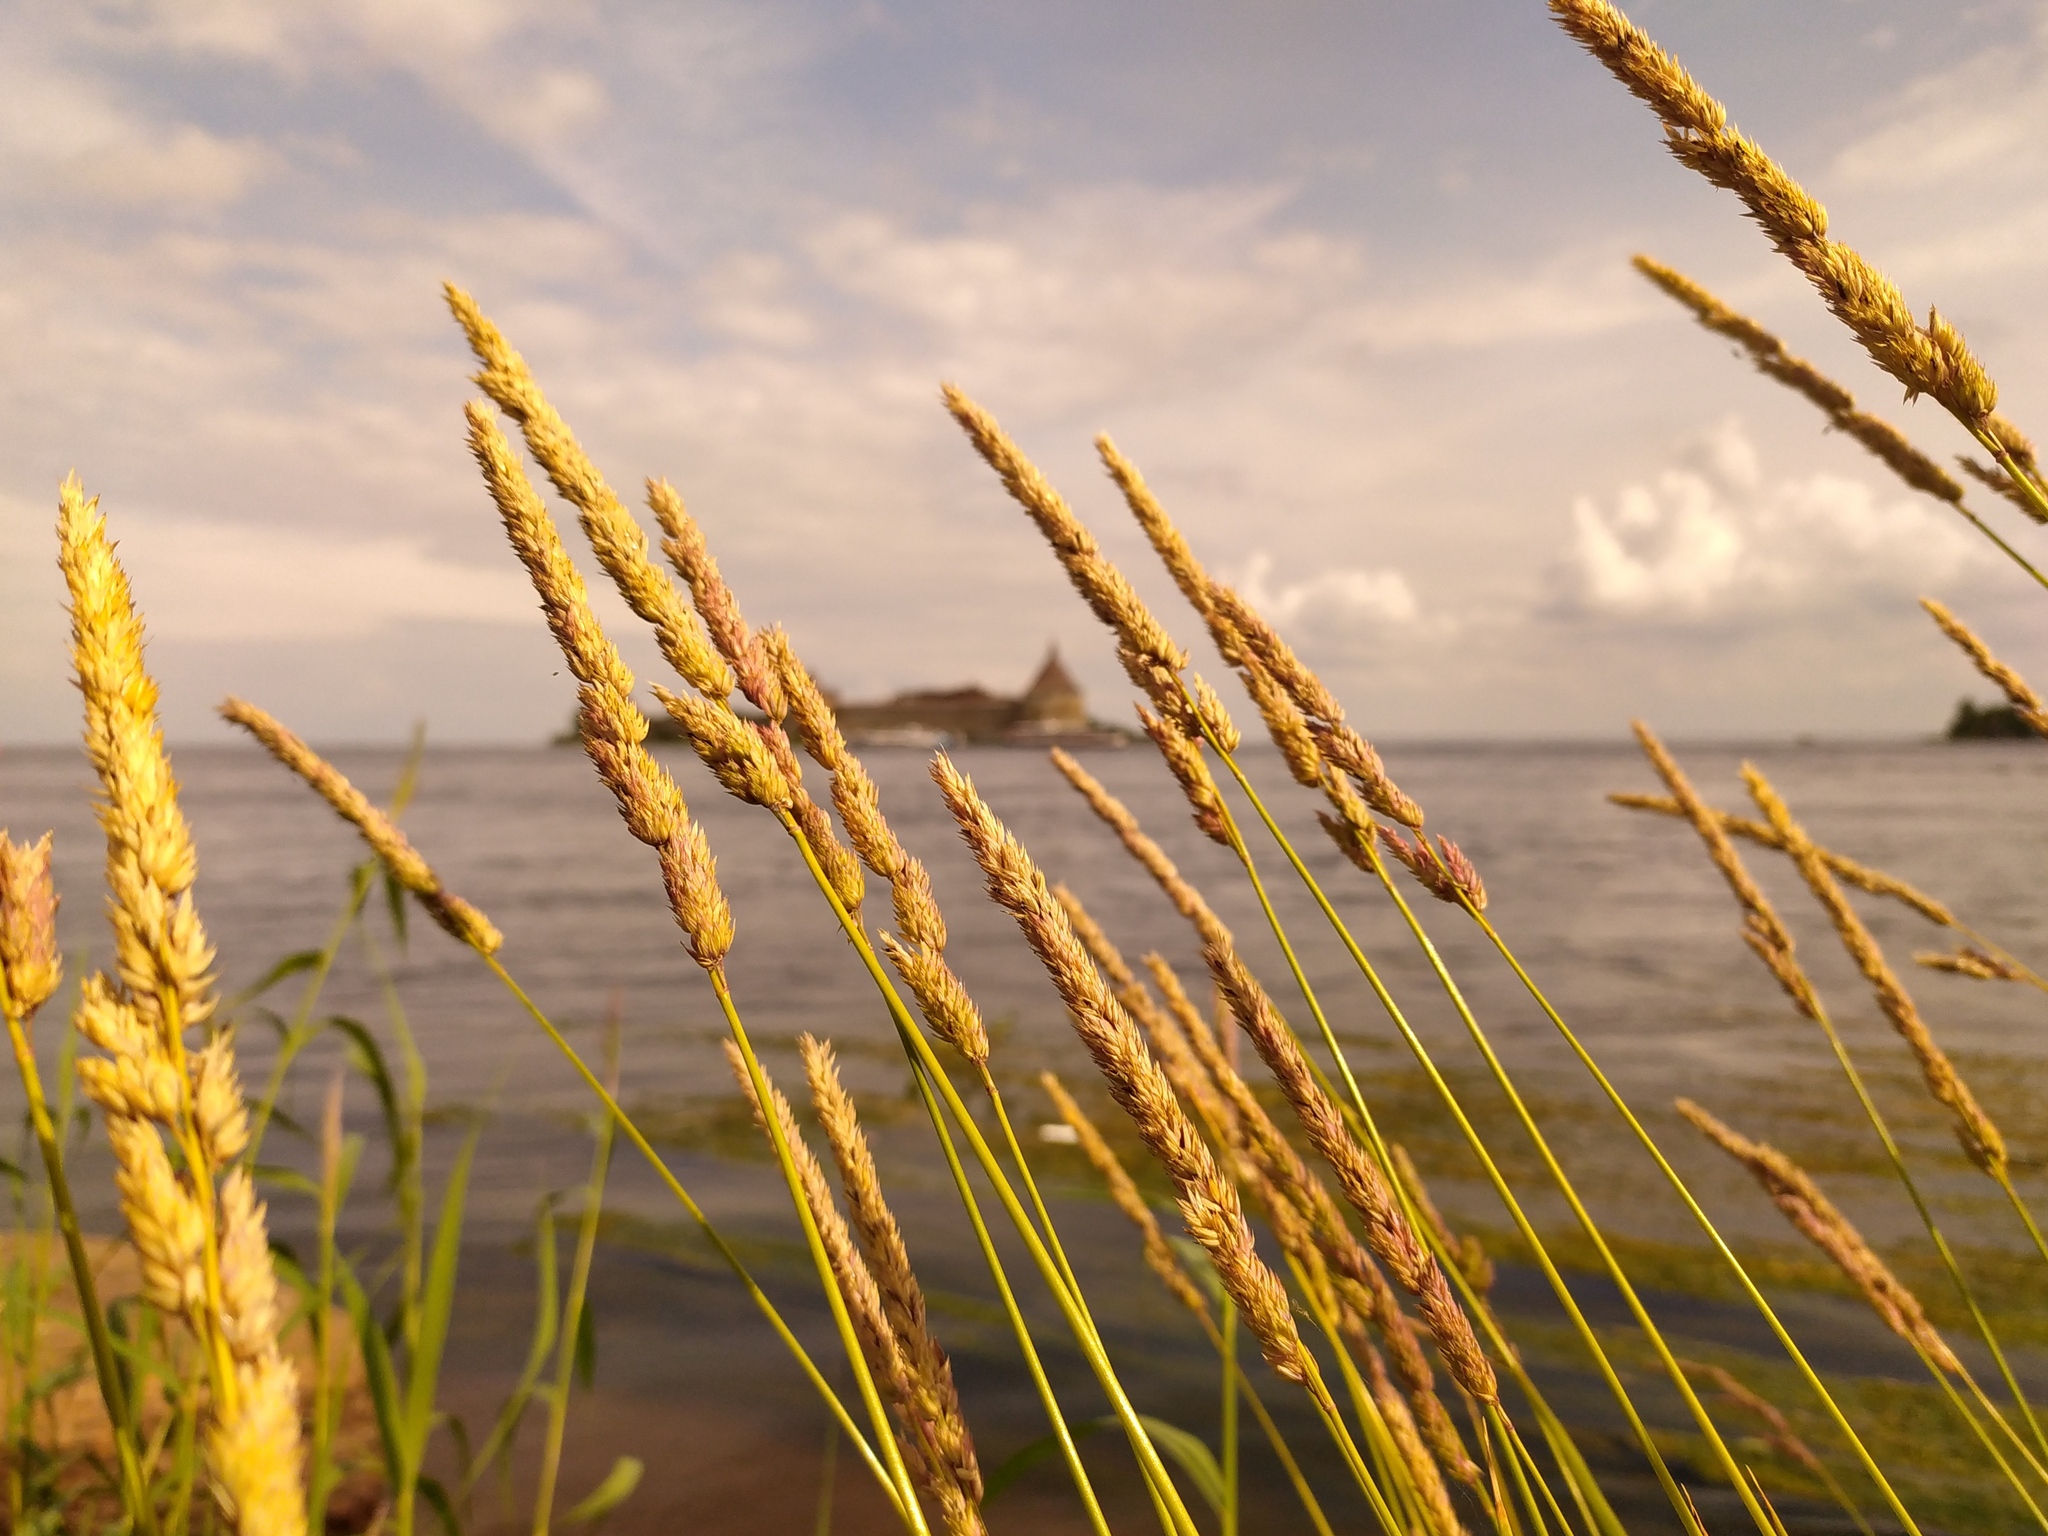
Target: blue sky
{"x":1350,"y":282}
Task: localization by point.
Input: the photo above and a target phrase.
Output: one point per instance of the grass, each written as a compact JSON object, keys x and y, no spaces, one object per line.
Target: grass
{"x":1429,"y":1385}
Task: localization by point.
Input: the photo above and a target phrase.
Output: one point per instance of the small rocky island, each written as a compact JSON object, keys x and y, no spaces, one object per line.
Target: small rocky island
{"x":1051,"y":712}
{"x":1988,"y":722}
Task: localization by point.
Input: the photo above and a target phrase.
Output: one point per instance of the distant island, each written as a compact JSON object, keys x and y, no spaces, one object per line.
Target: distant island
{"x":1052,"y":712}
{"x":1989,"y":722}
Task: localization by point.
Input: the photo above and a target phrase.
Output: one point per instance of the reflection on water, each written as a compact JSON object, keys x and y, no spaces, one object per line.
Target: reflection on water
{"x":1616,"y":913}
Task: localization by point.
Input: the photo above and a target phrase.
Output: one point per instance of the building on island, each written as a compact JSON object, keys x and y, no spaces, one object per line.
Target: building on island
{"x":1049,"y":713}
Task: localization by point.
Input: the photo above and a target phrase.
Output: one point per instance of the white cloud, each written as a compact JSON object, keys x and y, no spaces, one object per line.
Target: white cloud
{"x":62,"y":136}
{"x":1986,"y":115}
{"x":1340,"y":596}
{"x":297,"y":39}
{"x":1576,"y":293}
{"x":1713,"y":537}
{"x":203,"y":580}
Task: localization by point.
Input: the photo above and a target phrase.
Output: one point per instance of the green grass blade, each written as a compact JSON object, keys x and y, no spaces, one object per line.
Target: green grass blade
{"x":498,"y":1443}
{"x":437,"y":1303}
{"x":379,"y":1375}
{"x":617,"y":1487}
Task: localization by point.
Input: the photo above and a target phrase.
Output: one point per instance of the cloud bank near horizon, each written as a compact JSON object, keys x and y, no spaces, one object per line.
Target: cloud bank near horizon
{"x":1353,"y":289}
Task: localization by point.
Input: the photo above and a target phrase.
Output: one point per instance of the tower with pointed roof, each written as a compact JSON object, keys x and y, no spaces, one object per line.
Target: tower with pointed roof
{"x":1053,"y":701}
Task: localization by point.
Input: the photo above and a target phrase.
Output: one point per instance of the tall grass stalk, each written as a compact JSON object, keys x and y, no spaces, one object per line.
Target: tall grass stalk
{"x":931,"y":1074}
{"x":835,"y":1297}
{"x":883,"y":1475}
{"x":1376,"y":1144}
{"x":113,"y":1388}
{"x":338,"y":1157}
{"x":573,"y":1319}
{"x":1720,"y":1245}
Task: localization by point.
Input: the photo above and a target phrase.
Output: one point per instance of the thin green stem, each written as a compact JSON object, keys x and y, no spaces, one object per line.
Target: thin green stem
{"x":856,"y":1356}
{"x":2006,"y":462}
{"x":1514,"y":1437}
{"x":1274,"y":1438}
{"x":1076,"y":1316}
{"x":1517,"y":1453}
{"x":1983,"y":1435}
{"x":1227,"y":1433}
{"x":711,"y":1233}
{"x":299,"y":1033}
{"x":2026,"y":1216}
{"x":827,"y":1480}
{"x":134,"y":1496}
{"x":1502,"y":1189}
{"x":1685,"y":1195}
{"x":2014,"y":555}
{"x":572,"y":1320}
{"x":408,"y":1173}
{"x":1926,"y":1213}
{"x":1020,"y":1329}
{"x":1392,"y":1468}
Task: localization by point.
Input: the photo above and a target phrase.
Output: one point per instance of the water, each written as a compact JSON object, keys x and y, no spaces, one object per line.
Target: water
{"x":1616,"y":913}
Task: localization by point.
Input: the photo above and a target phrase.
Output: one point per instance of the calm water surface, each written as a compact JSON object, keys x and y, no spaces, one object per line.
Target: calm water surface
{"x":1616,"y":913}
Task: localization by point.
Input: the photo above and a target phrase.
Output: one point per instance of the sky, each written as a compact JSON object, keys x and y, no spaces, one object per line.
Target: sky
{"x":1348,"y":281}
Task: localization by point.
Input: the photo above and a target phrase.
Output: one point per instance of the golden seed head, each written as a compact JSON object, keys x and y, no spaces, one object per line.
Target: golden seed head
{"x":1794,"y":1192}
{"x":617,"y":540}
{"x":1969,"y":960}
{"x":1932,"y":360}
{"x":1443,"y":871}
{"x":1150,"y":656}
{"x":160,"y":946}
{"x":941,"y":998}
{"x":930,"y":1372}
{"x":1171,"y":546}
{"x":752,"y":667}
{"x":1392,"y":1239}
{"x":255,"y":1454}
{"x":1100,"y":949}
{"x":841,"y":869}
{"x":860,"y":809}
{"x":1846,"y":869}
{"x":1351,"y":753}
{"x":248,"y":1283}
{"x":457,"y":916}
{"x":1123,"y":1190}
{"x":1981,"y":1139}
{"x":816,"y":721}
{"x":1778,"y":1428}
{"x":1217,"y":725}
{"x":1763,"y":930}
{"x":29,"y":959}
{"x":217,"y":1108}
{"x":1183,"y":756}
{"x":111,"y":1021}
{"x":1771,"y":358}
{"x":917,"y":910}
{"x":143,"y":1087}
{"x":1185,"y":898}
{"x":734,"y":751}
{"x":163,"y":1219}
{"x":1209,"y":1204}
{"x":2027,"y":703}
{"x":689,"y":873}
{"x":610,"y":723}
{"x":463,"y":922}
{"x":1285,"y":723}
{"x":1995,"y":478}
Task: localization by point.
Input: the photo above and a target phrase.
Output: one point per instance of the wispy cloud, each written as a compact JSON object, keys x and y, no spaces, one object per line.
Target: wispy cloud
{"x":742,"y":243}
{"x":1713,"y":538}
